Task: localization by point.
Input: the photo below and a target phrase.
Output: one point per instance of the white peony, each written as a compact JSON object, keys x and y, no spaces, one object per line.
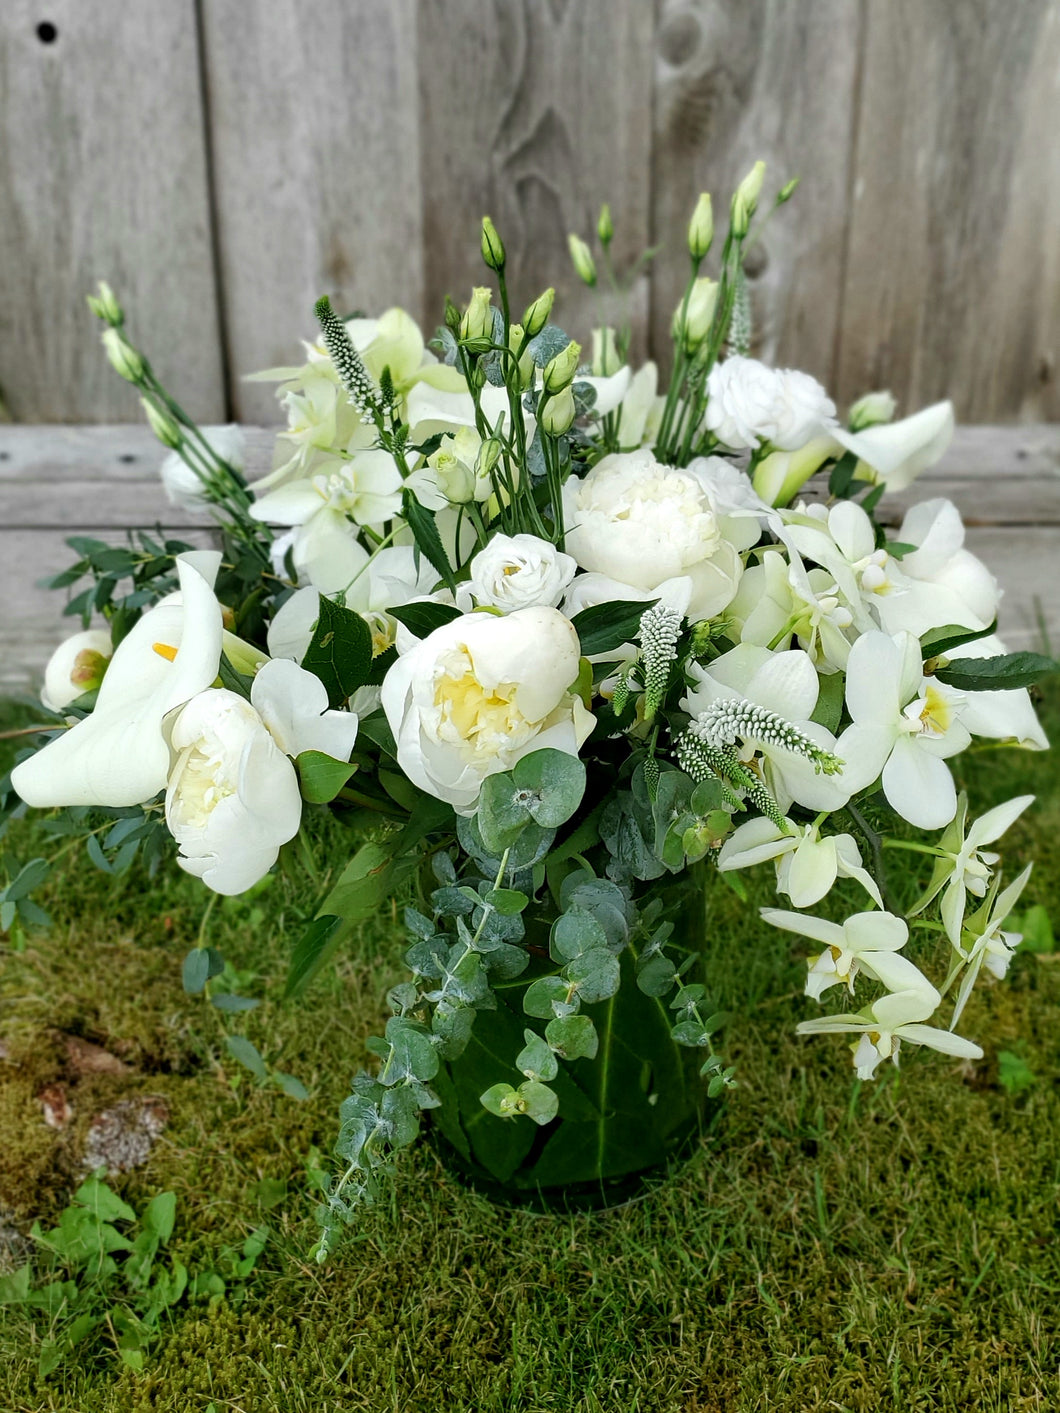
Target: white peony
{"x":233,"y":795}
{"x":183,"y":487}
{"x":641,"y":523}
{"x":517,"y":571}
{"x":750,"y":403}
{"x":75,"y":667}
{"x":480,"y":693}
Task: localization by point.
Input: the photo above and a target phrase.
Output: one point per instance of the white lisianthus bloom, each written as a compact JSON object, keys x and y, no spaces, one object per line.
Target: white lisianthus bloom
{"x":233,"y":795}
{"x":183,"y":486}
{"x":641,"y":523}
{"x":882,"y":1026}
{"x":1007,"y":715}
{"x":75,"y":667}
{"x":452,"y":475}
{"x":867,"y":942}
{"x":807,"y":865}
{"x":118,"y":756}
{"x":904,"y":725}
{"x":749,"y":403}
{"x":516,"y":571}
{"x":481,"y":692}
{"x":787,"y":684}
{"x":896,"y":452}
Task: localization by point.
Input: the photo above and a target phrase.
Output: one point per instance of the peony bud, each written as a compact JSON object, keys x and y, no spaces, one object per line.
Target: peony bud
{"x":701,"y":228}
{"x":536,"y":316}
{"x":477,"y":320}
{"x":124,"y":359}
{"x":582,"y":259}
{"x":692,"y":325}
{"x":745,"y":199}
{"x":605,"y":228}
{"x":605,"y":360}
{"x":871,"y":410}
{"x":105,"y":306}
{"x":557,"y":413}
{"x":163,"y":426}
{"x":492,"y":245}
{"x":559,"y":371}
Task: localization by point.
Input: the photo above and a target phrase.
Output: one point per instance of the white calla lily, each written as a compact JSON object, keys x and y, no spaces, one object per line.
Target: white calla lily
{"x":75,"y":667}
{"x":118,"y":756}
{"x":897,"y":452}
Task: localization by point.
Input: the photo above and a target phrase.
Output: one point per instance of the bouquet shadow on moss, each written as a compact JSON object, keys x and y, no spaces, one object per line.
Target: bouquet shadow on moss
{"x":565,"y":651}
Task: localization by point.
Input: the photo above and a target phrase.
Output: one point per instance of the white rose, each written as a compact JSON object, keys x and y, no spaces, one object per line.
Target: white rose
{"x":750,"y":403}
{"x":233,"y":795}
{"x":480,"y":693}
{"x":641,"y":523}
{"x":181,"y":484}
{"x":75,"y":667}
{"x":517,"y":571}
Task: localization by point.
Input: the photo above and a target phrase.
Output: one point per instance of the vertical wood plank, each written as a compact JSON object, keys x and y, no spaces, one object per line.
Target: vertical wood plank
{"x":314,"y":125}
{"x":769,"y":79}
{"x":535,"y":112}
{"x":953,"y":277}
{"x":102,"y":175}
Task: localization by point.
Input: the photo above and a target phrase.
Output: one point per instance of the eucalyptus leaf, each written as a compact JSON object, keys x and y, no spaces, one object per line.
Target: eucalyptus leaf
{"x":573,"y":1037}
{"x":594,"y":974}
{"x":536,"y":1059}
{"x":543,"y":995}
{"x":247,"y":1053}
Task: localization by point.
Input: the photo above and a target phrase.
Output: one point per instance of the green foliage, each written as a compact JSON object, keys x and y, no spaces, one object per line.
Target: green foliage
{"x":606,"y":626}
{"x":340,"y":651}
{"x":322,"y":776}
{"x":996,"y":674}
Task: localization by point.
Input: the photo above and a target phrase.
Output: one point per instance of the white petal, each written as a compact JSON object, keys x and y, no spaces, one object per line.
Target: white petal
{"x":943,"y":1040}
{"x":919,"y":786}
{"x":817,"y":928}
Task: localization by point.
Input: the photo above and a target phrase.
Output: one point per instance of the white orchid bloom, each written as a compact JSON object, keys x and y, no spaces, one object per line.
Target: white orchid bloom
{"x":905,"y":726}
{"x":233,"y":796}
{"x":76,"y":667}
{"x":882,"y":1028}
{"x":940,"y":582}
{"x":843,"y":541}
{"x":897,"y":452}
{"x":779,"y":599}
{"x":806,"y":865}
{"x":118,"y":756}
{"x":867,"y":942}
{"x":985,"y":942}
{"x":364,"y":486}
{"x":787,"y":684}
{"x":964,"y":865}
{"x":293,"y":704}
{"x":481,"y":692}
{"x":1004,"y":716}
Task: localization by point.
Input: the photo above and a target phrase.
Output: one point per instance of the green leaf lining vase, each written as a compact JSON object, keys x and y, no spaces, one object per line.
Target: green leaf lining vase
{"x":625,"y":1115}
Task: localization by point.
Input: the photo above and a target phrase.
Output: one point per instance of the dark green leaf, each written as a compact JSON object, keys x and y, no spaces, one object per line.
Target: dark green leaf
{"x":607,"y":626}
{"x":829,"y":708}
{"x":340,"y":651}
{"x":938,"y":641}
{"x":322,"y":776}
{"x":311,"y":952}
{"x":996,"y":674}
{"x":423,"y":618}
{"x":425,"y":532}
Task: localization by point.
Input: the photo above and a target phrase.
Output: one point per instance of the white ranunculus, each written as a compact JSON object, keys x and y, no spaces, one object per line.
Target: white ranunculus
{"x":118,"y":756}
{"x":183,"y":486}
{"x":481,"y":692}
{"x":233,"y":796}
{"x":517,"y":571}
{"x":75,"y":667}
{"x":641,"y":523}
{"x":749,"y":403}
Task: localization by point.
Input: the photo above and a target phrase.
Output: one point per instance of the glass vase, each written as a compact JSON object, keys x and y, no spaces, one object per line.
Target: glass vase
{"x":625,"y":1115}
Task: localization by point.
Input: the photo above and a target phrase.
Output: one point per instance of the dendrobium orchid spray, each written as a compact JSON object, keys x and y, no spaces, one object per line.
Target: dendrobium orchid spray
{"x":557,"y":635}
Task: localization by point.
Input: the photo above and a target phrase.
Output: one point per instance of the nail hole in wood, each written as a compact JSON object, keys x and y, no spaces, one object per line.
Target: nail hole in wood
{"x":127,"y":457}
{"x":46,"y":32}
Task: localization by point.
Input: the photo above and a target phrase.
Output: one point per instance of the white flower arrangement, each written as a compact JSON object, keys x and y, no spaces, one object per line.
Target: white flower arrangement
{"x":567,"y":634}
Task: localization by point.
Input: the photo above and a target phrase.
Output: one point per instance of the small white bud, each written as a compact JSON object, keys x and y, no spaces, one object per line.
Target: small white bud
{"x":477,"y":320}
{"x":162,"y":424}
{"x":124,"y":359}
{"x":745,"y":199}
{"x":701,"y":228}
{"x":871,"y":410}
{"x":557,"y":413}
{"x":582,"y":259}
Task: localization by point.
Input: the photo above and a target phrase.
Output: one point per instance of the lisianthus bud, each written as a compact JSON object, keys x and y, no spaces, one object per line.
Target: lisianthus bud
{"x":163,"y":426}
{"x":787,"y":191}
{"x":605,"y":359}
{"x":692,"y":325}
{"x":124,"y":359}
{"x":536,"y":316}
{"x":559,"y":371}
{"x":557,"y":413}
{"x":105,"y":306}
{"x":516,"y":334}
{"x":605,"y":227}
{"x":486,"y":460}
{"x":477,"y":321}
{"x":492,"y":245}
{"x":582,"y":259}
{"x":701,"y":228}
{"x":745,"y":199}
{"x":871,"y":410}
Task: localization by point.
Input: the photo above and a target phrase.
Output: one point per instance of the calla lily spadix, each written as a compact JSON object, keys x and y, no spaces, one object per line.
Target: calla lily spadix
{"x":118,"y":756}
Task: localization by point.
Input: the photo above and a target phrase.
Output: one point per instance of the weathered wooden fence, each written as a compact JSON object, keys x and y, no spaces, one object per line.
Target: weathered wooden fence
{"x":222,"y":162}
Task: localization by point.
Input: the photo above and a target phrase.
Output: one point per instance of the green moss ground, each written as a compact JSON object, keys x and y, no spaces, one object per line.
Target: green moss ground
{"x":833,"y":1246}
